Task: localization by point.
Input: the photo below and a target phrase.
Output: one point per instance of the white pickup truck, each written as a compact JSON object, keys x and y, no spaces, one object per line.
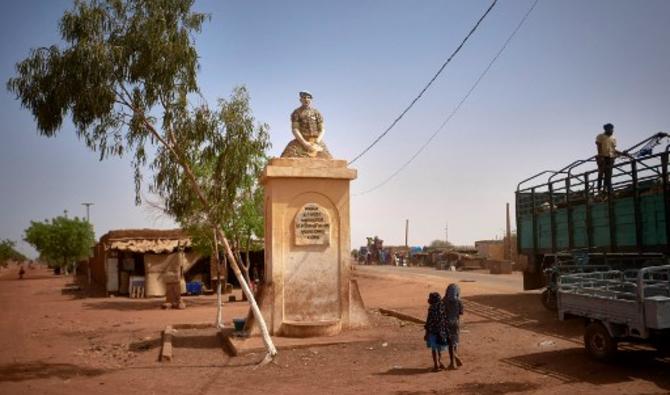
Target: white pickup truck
{"x":618,"y":306}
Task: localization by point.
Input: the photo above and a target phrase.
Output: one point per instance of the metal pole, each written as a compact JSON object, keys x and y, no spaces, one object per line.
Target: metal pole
{"x":88,"y":212}
{"x":88,"y":221}
{"x":508,"y":236}
{"x":406,"y":231}
{"x":446,"y":232}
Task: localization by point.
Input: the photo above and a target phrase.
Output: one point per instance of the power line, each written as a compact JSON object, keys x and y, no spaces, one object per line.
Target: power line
{"x":425,"y":88}
{"x":458,"y":106}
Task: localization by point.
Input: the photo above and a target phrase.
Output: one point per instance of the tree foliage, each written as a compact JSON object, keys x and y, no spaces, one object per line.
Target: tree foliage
{"x":125,"y":75}
{"x":121,"y":60}
{"x":440,"y":244}
{"x":226,"y":167}
{"x":61,"y":241}
{"x":8,"y":252}
{"x":227,"y":171}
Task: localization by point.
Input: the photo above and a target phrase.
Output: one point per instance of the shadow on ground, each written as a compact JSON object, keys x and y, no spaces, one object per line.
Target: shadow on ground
{"x":406,"y":371}
{"x":41,"y":370}
{"x":197,"y":341}
{"x":525,"y":311}
{"x":573,"y":365}
{"x":505,"y":387}
{"x":145,"y":345}
{"x":73,"y":290}
{"x":29,"y":278}
{"x":127,"y":304}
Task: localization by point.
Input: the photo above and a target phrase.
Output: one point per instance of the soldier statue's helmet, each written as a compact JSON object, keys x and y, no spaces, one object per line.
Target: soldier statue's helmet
{"x":305,"y":94}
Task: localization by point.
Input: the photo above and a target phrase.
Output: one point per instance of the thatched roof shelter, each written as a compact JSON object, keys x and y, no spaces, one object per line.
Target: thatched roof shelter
{"x":156,"y":241}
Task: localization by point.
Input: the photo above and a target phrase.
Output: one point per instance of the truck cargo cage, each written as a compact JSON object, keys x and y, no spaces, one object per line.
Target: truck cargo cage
{"x":563,"y":210}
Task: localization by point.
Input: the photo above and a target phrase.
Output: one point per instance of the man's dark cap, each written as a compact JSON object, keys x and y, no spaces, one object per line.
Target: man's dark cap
{"x":608,"y":126}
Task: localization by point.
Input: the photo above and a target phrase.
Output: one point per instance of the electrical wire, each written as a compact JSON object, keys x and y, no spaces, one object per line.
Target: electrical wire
{"x":425,"y":88}
{"x":458,"y":106}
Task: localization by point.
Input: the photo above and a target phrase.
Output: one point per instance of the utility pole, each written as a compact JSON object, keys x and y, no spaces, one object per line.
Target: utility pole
{"x":88,"y":221}
{"x":446,"y":232}
{"x":406,"y":232}
{"x":88,"y":206}
{"x":508,"y":237}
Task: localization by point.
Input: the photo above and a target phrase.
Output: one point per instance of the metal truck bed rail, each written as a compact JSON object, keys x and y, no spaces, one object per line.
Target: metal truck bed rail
{"x":631,"y":305}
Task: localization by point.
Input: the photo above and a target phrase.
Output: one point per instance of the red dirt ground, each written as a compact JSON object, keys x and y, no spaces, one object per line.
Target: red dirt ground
{"x":55,"y":340}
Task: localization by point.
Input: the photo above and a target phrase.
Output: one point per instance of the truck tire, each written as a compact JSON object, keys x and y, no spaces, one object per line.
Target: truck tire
{"x":598,"y":342}
{"x":549,"y":300}
{"x":662,"y":345}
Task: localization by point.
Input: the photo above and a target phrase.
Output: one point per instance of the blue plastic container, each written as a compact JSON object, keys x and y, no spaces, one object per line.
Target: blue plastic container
{"x":194,"y":288}
{"x":239,"y":324}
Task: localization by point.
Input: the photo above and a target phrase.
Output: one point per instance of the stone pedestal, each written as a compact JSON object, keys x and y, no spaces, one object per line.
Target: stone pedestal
{"x":307,"y":289}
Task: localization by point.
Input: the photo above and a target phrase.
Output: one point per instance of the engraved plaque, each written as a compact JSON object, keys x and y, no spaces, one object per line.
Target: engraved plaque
{"x":312,"y":226}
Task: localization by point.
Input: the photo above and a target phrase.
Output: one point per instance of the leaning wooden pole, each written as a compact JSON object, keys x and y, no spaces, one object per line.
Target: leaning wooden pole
{"x":269,"y":345}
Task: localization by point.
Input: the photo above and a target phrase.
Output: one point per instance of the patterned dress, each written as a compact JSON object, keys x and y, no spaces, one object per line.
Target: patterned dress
{"x":436,"y":328}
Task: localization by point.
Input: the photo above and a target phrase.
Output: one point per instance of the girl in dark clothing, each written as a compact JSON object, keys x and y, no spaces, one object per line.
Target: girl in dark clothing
{"x":453,"y":309}
{"x":436,"y":330}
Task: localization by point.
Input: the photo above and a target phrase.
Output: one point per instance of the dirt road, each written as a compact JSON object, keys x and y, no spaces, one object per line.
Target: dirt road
{"x":503,"y":282}
{"x":55,"y":340}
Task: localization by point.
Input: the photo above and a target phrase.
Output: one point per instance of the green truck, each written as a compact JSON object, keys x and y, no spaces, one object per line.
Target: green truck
{"x":564,"y":221}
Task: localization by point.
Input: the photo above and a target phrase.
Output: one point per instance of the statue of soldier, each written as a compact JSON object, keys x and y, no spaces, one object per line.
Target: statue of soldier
{"x":307,"y":128}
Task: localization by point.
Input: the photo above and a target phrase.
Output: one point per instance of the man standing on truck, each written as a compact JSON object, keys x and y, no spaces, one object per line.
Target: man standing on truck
{"x":606,"y":144}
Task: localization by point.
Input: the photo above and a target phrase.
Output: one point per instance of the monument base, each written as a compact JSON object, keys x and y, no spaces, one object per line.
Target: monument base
{"x":358,"y":317}
{"x":307,"y":290}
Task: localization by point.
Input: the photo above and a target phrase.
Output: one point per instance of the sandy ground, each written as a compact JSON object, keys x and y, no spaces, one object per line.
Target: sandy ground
{"x":57,"y":340}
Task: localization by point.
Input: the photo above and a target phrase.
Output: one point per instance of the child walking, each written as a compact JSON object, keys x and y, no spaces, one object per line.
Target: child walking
{"x":436,"y":329}
{"x":453,"y":309}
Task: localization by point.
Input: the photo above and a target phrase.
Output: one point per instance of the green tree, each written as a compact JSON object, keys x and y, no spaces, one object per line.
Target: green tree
{"x":440,"y":244}
{"x":62,"y":241}
{"x":124,"y":75}
{"x":249,"y":224}
{"x":8,"y":252}
{"x":228,"y":178}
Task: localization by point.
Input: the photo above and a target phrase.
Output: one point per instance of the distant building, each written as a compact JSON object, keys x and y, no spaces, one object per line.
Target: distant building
{"x":490,"y":249}
{"x":494,"y":250}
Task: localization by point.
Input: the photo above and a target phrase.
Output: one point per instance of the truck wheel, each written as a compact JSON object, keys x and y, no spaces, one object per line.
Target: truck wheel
{"x":598,"y":342}
{"x":549,"y":300}
{"x":662,"y":345}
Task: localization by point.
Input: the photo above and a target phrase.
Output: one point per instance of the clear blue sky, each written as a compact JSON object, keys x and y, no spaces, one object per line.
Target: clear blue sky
{"x":574,"y":66}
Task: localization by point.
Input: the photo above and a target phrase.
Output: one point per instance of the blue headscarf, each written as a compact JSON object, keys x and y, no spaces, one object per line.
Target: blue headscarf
{"x":452,"y":302}
{"x":453,"y":292}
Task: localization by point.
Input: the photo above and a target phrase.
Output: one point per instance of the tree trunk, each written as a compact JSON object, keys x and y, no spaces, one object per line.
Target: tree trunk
{"x":245,"y":269}
{"x":219,"y":313}
{"x":247,"y":266}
